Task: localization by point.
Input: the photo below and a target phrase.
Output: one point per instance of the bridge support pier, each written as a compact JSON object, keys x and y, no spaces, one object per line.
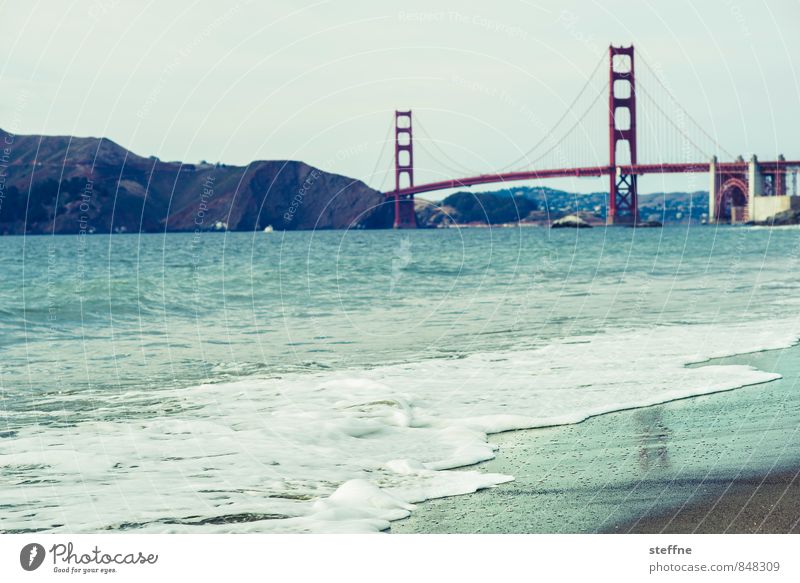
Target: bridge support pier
{"x":404,"y":215}
{"x":623,"y":194}
{"x":754,"y":182}
{"x":731,"y":191}
{"x":713,"y":191}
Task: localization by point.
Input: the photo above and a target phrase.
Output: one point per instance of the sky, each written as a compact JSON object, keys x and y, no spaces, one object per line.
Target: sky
{"x":319,"y":81}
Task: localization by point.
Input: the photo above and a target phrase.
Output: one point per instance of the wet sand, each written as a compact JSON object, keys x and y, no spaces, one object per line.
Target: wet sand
{"x":727,"y":462}
{"x":759,"y":504}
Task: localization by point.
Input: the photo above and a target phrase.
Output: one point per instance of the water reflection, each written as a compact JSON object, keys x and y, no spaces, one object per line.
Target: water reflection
{"x":653,"y":438}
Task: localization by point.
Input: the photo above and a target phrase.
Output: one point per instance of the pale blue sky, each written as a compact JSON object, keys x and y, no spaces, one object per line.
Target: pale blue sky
{"x":238,"y":81}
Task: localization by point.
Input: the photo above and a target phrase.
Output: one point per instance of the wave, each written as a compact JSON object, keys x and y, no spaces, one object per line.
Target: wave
{"x":351,"y":450}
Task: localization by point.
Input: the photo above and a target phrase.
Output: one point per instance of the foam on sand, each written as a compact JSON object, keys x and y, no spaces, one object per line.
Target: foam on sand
{"x":351,"y":450}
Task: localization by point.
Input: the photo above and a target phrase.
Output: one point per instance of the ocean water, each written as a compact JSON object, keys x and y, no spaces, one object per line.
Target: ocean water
{"x":327,"y":381}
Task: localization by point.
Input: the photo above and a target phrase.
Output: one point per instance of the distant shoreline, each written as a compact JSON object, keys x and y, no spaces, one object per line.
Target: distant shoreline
{"x":425,"y":229}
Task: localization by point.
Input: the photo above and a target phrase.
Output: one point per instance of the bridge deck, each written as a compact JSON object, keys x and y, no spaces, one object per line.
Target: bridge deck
{"x":590,"y":171}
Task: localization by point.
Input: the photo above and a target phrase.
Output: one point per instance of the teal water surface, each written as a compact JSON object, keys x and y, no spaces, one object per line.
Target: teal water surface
{"x":100,"y":333}
{"x":102,"y":314}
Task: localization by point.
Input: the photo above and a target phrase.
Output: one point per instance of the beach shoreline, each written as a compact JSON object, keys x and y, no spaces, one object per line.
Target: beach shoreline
{"x":726,"y":462}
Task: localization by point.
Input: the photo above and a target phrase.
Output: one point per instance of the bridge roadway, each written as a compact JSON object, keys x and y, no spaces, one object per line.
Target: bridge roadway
{"x":593,"y":171}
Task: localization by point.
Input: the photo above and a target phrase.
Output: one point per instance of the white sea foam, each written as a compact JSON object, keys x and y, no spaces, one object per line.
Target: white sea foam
{"x":352,"y":450}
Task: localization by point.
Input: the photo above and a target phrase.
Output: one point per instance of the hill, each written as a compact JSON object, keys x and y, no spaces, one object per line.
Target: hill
{"x":550,"y":203}
{"x":64,"y":184}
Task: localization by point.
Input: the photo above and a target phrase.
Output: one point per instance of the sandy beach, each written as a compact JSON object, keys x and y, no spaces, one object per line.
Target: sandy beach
{"x":753,"y":505}
{"x":721,"y":463}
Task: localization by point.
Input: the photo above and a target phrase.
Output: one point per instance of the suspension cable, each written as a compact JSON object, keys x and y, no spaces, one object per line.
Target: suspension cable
{"x":380,"y":155}
{"x":572,"y":128}
{"x":420,"y":144}
{"x":688,"y":115}
{"x":670,"y":121}
{"x":563,"y":116}
{"x":435,"y":144}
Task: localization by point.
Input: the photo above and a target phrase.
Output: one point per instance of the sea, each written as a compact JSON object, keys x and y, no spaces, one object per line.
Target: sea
{"x":329,"y":381}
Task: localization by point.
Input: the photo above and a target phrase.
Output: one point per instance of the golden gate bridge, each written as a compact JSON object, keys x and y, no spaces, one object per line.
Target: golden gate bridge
{"x":739,"y":190}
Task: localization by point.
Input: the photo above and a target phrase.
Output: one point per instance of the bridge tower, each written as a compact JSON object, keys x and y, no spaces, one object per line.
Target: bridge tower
{"x":404,"y":216}
{"x":623,"y":203}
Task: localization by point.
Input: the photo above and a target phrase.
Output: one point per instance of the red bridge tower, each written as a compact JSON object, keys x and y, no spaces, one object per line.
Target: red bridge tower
{"x":404,"y":216}
{"x":623,"y":204}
